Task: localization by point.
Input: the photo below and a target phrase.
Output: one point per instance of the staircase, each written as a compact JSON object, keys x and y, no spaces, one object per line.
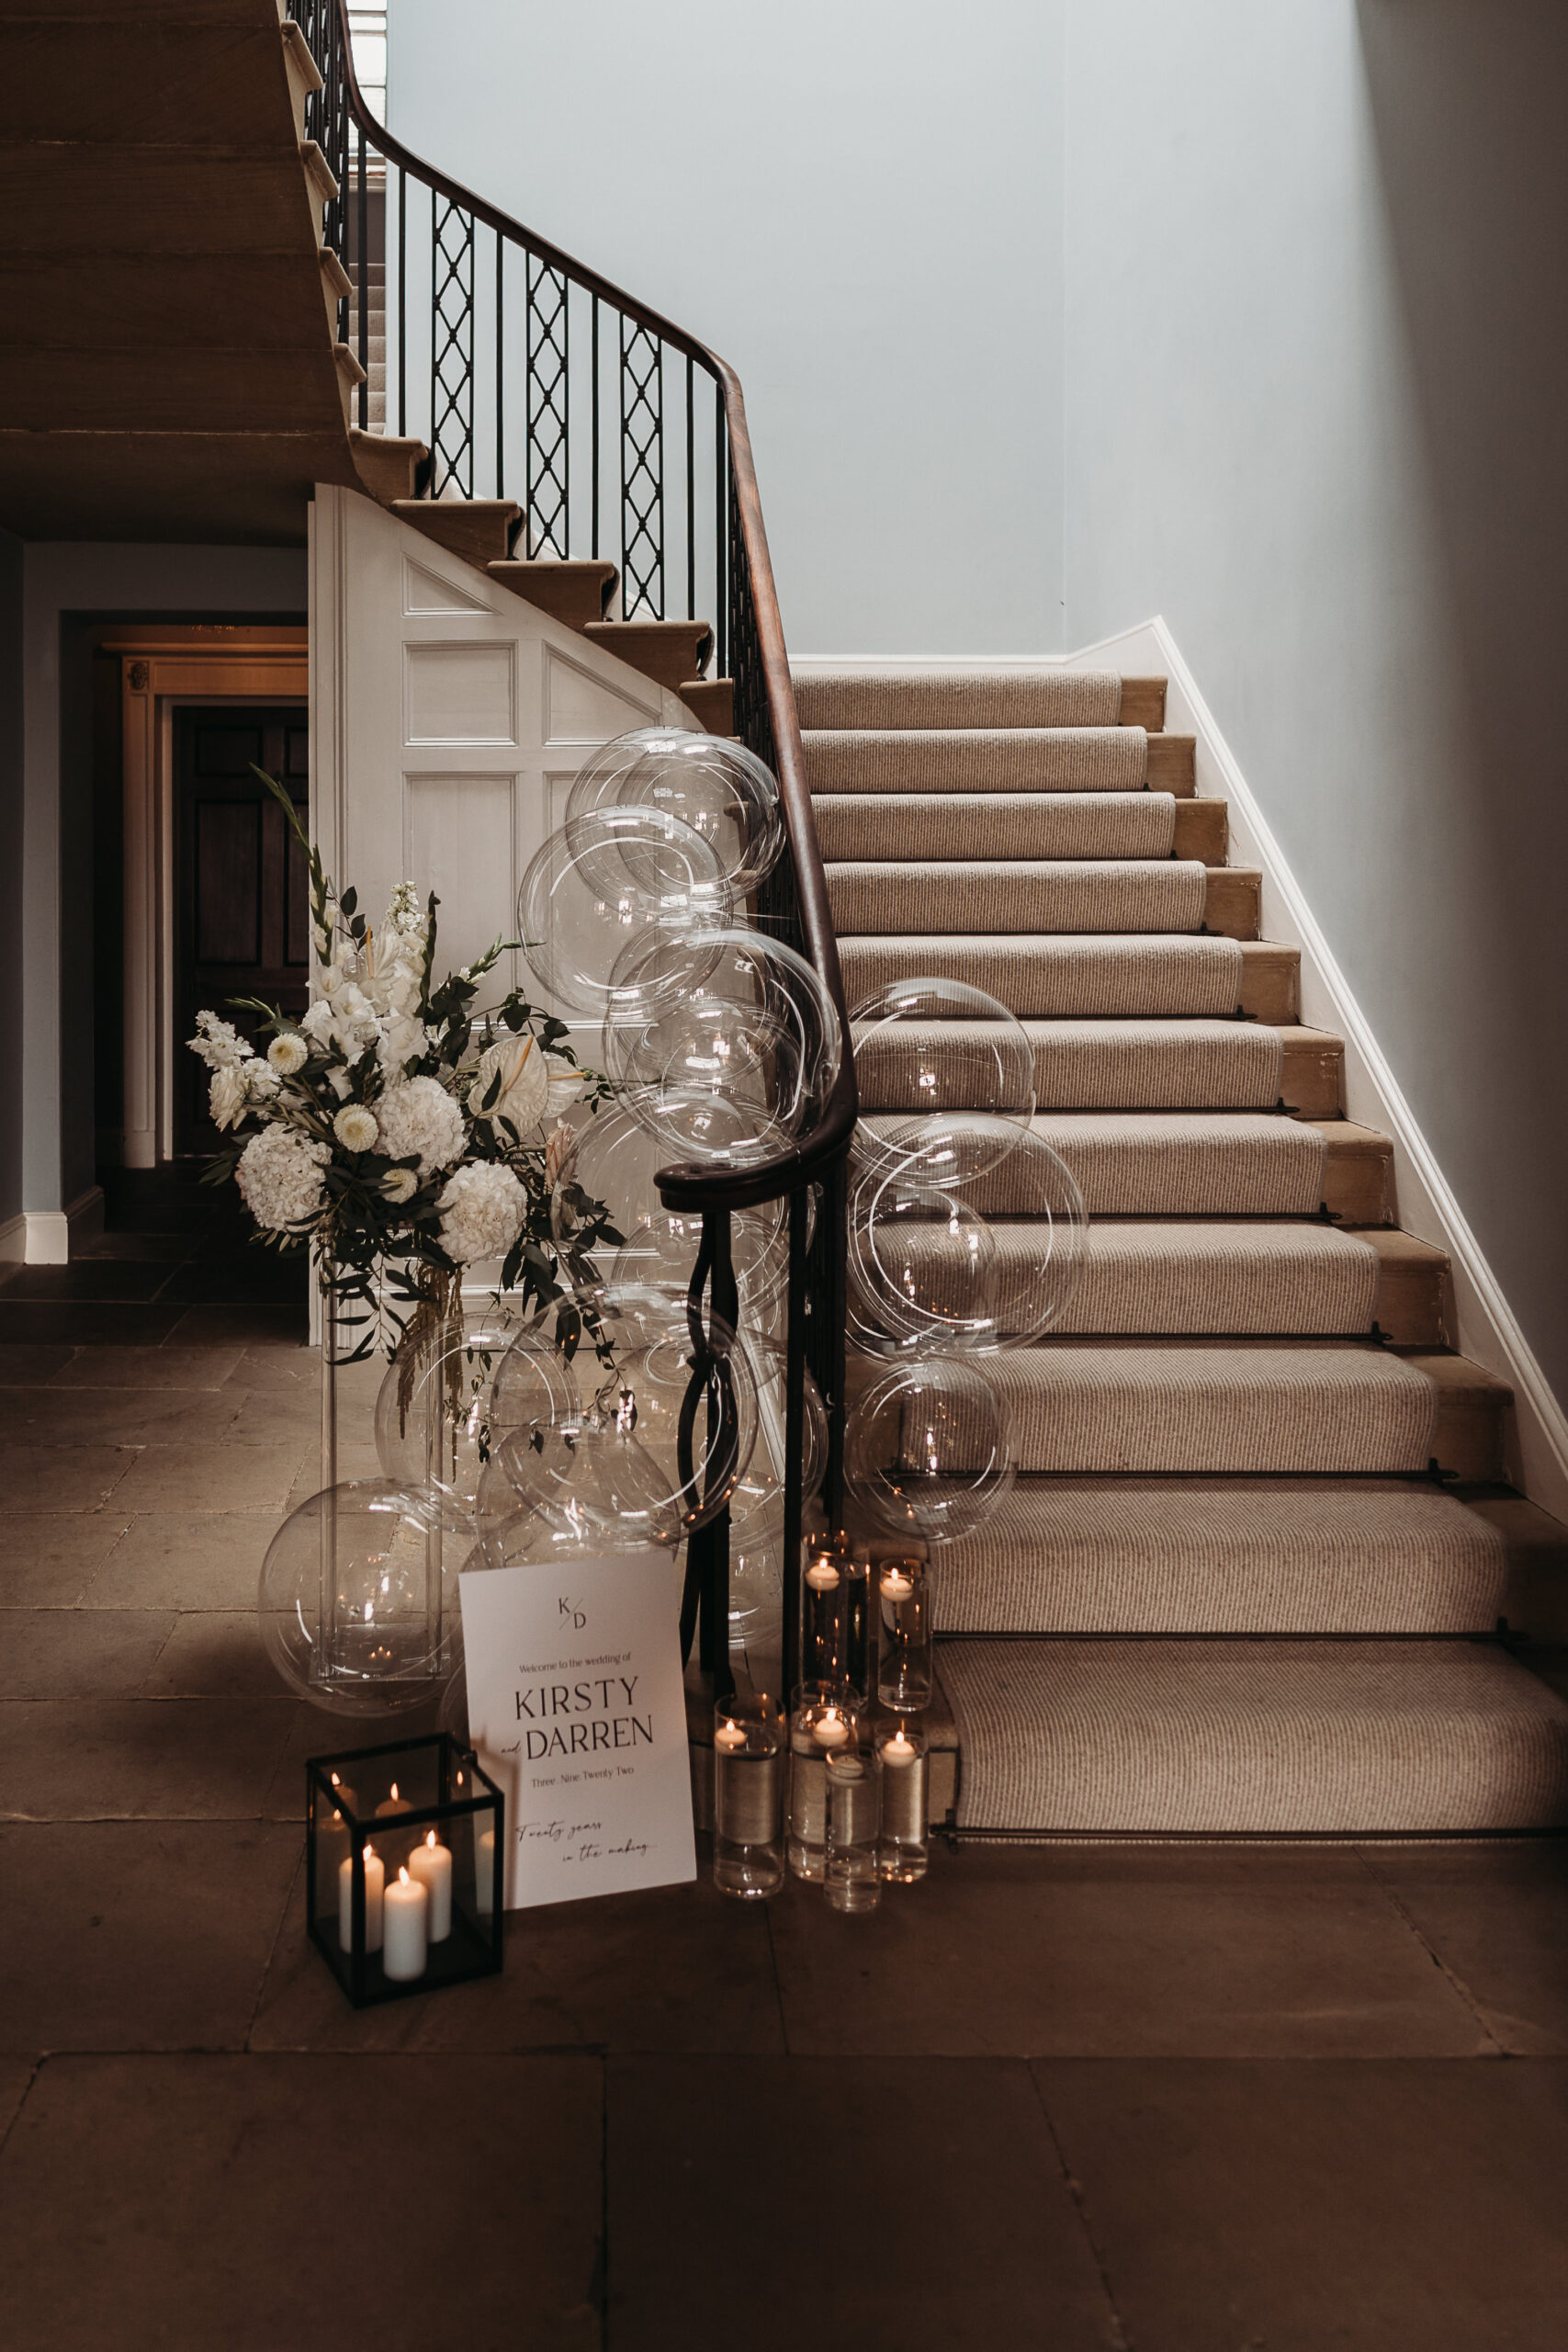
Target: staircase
{"x":1235,"y":1589}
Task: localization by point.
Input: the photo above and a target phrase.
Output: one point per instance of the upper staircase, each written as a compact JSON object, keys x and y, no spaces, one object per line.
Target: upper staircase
{"x":1252,"y":1575}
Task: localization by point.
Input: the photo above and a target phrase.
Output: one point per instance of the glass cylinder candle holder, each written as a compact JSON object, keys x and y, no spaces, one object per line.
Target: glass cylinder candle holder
{"x":904,"y":1767}
{"x":748,"y":1807}
{"x":859,"y":1637}
{"x":404,"y":1848}
{"x":855,"y":1819}
{"x":820,"y":1725}
{"x":904,"y":1610}
{"x":822,"y":1592}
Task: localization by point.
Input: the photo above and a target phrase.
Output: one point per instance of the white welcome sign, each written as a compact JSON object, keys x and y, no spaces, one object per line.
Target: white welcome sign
{"x":577,"y":1712}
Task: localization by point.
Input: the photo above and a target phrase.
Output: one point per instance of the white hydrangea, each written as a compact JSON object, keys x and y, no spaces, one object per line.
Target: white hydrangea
{"x":355,"y":1128}
{"x":418,"y":1115}
{"x":288,"y":1053}
{"x":482,"y":1208}
{"x":279,"y":1176}
{"x":524,"y":1083}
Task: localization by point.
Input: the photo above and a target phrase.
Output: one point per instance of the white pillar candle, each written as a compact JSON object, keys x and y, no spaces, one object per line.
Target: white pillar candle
{"x":375,"y":1878}
{"x":484,"y":1870}
{"x":394,"y":1803}
{"x":406,"y":1913}
{"x":432,"y":1865}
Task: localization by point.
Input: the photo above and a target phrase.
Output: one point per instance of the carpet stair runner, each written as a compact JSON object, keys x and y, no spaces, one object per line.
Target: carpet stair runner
{"x":1226,"y":1593}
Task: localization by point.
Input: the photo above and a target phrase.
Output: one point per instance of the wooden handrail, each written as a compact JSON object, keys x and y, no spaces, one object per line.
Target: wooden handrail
{"x":696,"y":1187}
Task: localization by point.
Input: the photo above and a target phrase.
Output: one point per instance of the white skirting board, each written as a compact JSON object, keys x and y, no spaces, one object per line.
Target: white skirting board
{"x":50,"y":1234}
{"x":1483,"y":1325}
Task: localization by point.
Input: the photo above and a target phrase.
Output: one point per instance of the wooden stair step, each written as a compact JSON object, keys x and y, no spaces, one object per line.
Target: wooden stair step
{"x":1473,"y":1404}
{"x":666,"y":651}
{"x":1143,"y":704}
{"x":1203,"y":829}
{"x":1271,"y":981}
{"x":1357,"y":1175}
{"x":573,"y":593}
{"x":1172,"y":763}
{"x":1312,"y":1082}
{"x":335,"y":284}
{"x":1411,"y":1280}
{"x":1233,"y":899}
{"x":1535,"y":1595}
{"x":318,"y":171}
{"x":388,"y":465}
{"x":475,"y":528}
{"x":711,"y":702}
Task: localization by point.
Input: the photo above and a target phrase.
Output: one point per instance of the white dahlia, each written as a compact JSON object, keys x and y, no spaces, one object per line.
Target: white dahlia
{"x":288,"y":1053}
{"x":524,"y":1083}
{"x":418,"y":1115}
{"x":399,"y":1184}
{"x":279,"y":1176}
{"x":482,"y":1208}
{"x":356,"y":1128}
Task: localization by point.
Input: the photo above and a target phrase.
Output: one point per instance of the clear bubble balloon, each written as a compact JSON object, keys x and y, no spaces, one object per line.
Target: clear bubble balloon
{"x":621,"y":1430}
{"x":610,"y":881}
{"x":433,"y":1421}
{"x":929,"y":1449}
{"x":998,"y":1178}
{"x":923,"y":1266}
{"x":935,"y":1047}
{"x":357,"y":1601}
{"x":608,"y":1178}
{"x":759,"y":1500}
{"x":721,"y":790}
{"x":738,"y":1054}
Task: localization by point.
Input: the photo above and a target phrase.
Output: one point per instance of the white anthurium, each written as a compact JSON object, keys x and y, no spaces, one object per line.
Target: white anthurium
{"x":524,"y":1086}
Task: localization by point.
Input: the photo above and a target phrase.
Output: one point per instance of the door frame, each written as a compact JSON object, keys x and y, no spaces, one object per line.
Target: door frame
{"x":162,"y":670}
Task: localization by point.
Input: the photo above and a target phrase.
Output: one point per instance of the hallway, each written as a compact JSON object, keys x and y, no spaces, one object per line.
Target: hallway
{"x":1083,"y":2094}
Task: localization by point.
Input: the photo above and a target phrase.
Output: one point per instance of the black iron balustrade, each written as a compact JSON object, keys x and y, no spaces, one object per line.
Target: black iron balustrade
{"x":494,"y":302}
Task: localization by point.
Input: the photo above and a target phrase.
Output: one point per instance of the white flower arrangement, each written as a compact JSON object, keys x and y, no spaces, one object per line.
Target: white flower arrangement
{"x":382,"y":1128}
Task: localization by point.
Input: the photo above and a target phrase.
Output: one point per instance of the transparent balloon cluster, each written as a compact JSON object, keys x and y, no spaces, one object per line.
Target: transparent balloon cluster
{"x":966,"y":1235}
{"x":624,"y":1416}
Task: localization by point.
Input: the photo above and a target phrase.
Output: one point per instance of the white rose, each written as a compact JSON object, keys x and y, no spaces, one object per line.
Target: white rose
{"x":523,"y":1088}
{"x":399,"y":1184}
{"x":356,"y":1128}
{"x":288,"y":1053}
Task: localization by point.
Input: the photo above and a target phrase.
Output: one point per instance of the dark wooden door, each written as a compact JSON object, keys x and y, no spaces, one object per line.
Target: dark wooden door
{"x":242,"y":896}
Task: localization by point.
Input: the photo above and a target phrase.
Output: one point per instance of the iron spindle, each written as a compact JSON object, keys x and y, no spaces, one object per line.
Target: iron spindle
{"x":794,"y":1435}
{"x":500,"y":379}
{"x":594,"y":373}
{"x":691,"y":500}
{"x":403,"y":305}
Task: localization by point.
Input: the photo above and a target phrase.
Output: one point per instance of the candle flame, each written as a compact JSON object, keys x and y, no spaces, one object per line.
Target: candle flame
{"x":337,"y":1783}
{"x":394,"y":1788}
{"x":402,"y":1875}
{"x":431,"y":1840}
{"x":369,"y":1853}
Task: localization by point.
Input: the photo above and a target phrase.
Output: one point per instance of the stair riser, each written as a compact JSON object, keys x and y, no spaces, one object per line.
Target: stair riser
{"x":1083,"y":1066}
{"x":1059,"y":897}
{"x":998,"y":698}
{"x":1081,"y":979}
{"x":975,"y":762}
{"x":901,"y":827}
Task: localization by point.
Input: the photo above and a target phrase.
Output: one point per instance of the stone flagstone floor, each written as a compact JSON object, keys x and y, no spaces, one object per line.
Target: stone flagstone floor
{"x":1179,"y":2099}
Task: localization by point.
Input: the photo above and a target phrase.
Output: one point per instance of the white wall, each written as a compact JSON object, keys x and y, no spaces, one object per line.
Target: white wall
{"x":1315,"y":348}
{"x":858,"y":205}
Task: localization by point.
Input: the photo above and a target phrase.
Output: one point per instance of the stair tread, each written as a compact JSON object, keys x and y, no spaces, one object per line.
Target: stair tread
{"x":948,"y":695}
{"x":1271,"y":1735}
{"x":1225,"y":1555}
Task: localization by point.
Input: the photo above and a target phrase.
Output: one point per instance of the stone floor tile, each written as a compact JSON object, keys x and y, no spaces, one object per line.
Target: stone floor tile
{"x":86,"y":1323}
{"x":291,"y":1369}
{"x":25,"y":1366}
{"x":224,"y":1477}
{"x":1109,"y":1950}
{"x":89,"y":1278}
{"x":57,"y":1477}
{"x":179,"y":1560}
{"x":162,"y":1249}
{"x":49,"y":1558}
{"x":218,"y":1275}
{"x":1496,"y":1917}
{"x":166,"y":1367}
{"x":213,"y":1654}
{"x":127,"y":1416}
{"x":176,"y":1759}
{"x":15,"y":2078}
{"x":1377,"y":2205}
{"x":79,"y":1653}
{"x":916,"y":2204}
{"x":138,"y":1934}
{"x":674,"y":1968}
{"x":249,"y":1326}
{"x":415,"y":2204}
{"x":274,"y":1417}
